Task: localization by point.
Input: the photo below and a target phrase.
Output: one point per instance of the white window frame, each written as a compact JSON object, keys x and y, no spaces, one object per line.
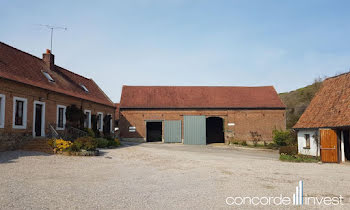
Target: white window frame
{"x":89,"y":120}
{"x":42,"y":118}
{"x":64,"y":116}
{"x":25,"y":102}
{"x":2,"y":110}
{"x":98,"y":113}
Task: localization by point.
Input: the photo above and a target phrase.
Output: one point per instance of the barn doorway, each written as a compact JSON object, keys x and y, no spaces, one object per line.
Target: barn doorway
{"x":346,"y":144}
{"x":215,"y":130}
{"x":154,"y":131}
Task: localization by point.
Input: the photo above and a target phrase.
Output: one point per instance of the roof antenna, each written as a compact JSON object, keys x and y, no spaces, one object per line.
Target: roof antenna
{"x":53,"y":28}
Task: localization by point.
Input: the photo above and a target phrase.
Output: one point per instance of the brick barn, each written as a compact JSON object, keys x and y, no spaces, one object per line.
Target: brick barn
{"x":324,"y":127}
{"x":199,"y":115}
{"x":35,"y":94}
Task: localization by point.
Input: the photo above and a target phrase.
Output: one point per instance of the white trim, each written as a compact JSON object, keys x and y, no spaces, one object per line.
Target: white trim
{"x":64,"y":116}
{"x":42,"y":117}
{"x":89,"y":120}
{"x":98,"y":113}
{"x":24,"y":126}
{"x":2,"y":110}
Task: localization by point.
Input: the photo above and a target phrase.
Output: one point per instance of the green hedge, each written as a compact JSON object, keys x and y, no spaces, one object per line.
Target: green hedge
{"x":289,"y":150}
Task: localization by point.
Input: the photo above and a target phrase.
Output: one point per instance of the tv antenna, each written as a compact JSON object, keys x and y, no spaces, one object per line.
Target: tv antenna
{"x":52,"y":28}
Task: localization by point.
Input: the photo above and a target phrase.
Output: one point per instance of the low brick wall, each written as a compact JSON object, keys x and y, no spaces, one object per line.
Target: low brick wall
{"x":12,"y":141}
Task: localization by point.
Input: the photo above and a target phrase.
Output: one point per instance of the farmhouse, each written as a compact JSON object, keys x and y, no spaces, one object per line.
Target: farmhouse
{"x":199,"y":115}
{"x":35,"y":95}
{"x":323,"y":129}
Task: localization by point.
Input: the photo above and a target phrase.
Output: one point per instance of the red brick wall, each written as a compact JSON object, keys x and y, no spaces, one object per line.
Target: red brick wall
{"x":13,"y":89}
{"x":246,"y":121}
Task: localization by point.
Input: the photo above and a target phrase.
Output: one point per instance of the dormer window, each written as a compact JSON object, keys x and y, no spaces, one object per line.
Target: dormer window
{"x":84,"y":88}
{"x":48,"y":76}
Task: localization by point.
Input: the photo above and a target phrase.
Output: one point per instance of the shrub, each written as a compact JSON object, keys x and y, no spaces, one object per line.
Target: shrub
{"x":282,"y":138}
{"x":102,"y":143}
{"x":90,"y":132}
{"x":256,"y":137}
{"x":244,"y":143}
{"x":74,"y":148}
{"x":86,"y":142}
{"x":60,"y":144}
{"x":289,"y":150}
{"x":114,"y":142}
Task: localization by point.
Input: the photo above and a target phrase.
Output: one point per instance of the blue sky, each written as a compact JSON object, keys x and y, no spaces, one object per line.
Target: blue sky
{"x":286,"y":44}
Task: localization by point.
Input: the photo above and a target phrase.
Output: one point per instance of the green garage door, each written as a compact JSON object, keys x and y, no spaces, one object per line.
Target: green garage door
{"x":172,"y":131}
{"x":194,"y":130}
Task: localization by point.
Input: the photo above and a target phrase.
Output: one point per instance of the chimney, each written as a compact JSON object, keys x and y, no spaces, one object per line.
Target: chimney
{"x":49,"y":59}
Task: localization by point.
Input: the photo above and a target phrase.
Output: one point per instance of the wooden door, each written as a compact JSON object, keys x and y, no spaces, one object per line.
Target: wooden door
{"x":329,"y":146}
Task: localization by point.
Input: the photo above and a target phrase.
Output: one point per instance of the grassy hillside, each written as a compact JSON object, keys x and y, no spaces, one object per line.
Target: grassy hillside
{"x":298,"y":100}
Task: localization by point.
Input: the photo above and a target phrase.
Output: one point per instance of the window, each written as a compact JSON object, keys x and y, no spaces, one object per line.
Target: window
{"x":19,"y":113}
{"x":2,"y":111}
{"x":48,"y":76}
{"x":61,"y":117}
{"x":307,"y":140}
{"x":87,"y":122}
{"x":84,"y":88}
{"x":100,"y":121}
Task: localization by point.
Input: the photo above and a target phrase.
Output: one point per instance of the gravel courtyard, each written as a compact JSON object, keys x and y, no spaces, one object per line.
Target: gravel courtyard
{"x":161,"y":176}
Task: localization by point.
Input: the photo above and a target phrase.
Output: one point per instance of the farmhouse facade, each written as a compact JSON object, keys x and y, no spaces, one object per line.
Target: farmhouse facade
{"x":323,"y":129}
{"x":199,"y":115}
{"x":35,"y":95}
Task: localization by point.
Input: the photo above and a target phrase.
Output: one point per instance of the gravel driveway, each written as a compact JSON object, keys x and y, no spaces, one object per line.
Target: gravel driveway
{"x":161,"y":176}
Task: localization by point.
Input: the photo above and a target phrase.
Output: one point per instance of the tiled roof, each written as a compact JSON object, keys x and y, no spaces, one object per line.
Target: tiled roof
{"x":331,"y":105}
{"x":22,"y":67}
{"x":199,"y":97}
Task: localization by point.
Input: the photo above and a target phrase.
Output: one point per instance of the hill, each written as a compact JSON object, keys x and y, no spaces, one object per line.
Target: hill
{"x":298,"y":100}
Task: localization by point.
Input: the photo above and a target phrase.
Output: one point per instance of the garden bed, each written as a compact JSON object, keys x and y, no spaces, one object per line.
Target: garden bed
{"x":83,"y":146}
{"x":299,"y":158}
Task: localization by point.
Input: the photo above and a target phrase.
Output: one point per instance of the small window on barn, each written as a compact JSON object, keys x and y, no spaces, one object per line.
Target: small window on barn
{"x":84,"y":88}
{"x":48,"y":76}
{"x":307,"y":141}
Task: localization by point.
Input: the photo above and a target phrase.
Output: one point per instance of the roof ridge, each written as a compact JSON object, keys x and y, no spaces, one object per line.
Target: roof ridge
{"x":42,"y":59}
{"x":74,"y":73}
{"x":194,"y":86}
{"x":339,"y":75}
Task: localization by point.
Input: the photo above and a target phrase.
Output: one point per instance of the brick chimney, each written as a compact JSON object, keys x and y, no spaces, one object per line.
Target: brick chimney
{"x":49,"y":59}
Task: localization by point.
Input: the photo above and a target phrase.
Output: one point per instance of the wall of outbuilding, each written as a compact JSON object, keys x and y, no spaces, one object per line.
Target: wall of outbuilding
{"x":245,"y":121}
{"x":314,"y":149}
{"x":10,"y":137}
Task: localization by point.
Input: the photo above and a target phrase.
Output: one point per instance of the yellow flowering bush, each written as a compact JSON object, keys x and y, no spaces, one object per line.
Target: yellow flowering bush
{"x":60,"y":144}
{"x":117,"y":141}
